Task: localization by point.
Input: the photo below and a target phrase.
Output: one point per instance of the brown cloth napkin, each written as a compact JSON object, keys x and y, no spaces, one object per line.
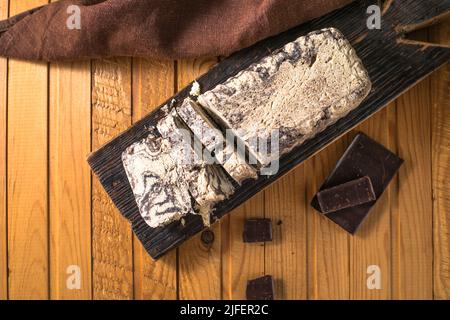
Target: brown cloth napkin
{"x":151,"y":28}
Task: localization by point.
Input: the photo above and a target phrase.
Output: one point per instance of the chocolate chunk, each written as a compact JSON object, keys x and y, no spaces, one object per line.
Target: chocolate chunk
{"x":257,"y":230}
{"x":346,"y":195}
{"x":364,"y":157}
{"x":260,"y":289}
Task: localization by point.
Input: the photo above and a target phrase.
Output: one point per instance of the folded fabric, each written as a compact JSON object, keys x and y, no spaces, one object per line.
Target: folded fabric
{"x":77,"y":29}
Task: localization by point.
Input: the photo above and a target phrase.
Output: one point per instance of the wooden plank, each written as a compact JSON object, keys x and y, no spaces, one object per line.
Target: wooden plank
{"x":328,"y":244}
{"x":371,"y":245}
{"x":27,"y":174}
{"x":3,"y":137}
{"x":394,"y":197}
{"x":241,"y":261}
{"x":112,"y":238}
{"x":197,"y":259}
{"x":153,"y":82}
{"x":285,"y":256}
{"x":70,"y":178}
{"x":401,"y":67}
{"x":440,"y":98}
{"x":412,"y":237}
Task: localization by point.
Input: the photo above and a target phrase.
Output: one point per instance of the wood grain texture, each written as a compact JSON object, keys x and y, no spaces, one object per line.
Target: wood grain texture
{"x":27,"y":174}
{"x":241,"y":261}
{"x":328,"y":244}
{"x":393,"y":197}
{"x":153,"y":83}
{"x":413,"y":248}
{"x":199,"y":264}
{"x":3,"y":137}
{"x":112,"y":247}
{"x":70,"y":178}
{"x":440,"y":152}
{"x":285,"y":256}
{"x":371,"y":245}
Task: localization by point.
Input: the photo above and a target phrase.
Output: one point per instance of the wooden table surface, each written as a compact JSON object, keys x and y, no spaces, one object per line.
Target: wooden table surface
{"x":55,"y":215}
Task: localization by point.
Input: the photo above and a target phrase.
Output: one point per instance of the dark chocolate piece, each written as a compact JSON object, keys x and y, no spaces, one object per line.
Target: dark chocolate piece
{"x":257,"y":230}
{"x":364,"y":157}
{"x":260,"y":289}
{"x":346,"y":195}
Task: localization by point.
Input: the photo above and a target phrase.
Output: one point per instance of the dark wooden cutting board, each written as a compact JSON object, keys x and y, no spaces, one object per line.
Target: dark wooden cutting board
{"x":394,"y":65}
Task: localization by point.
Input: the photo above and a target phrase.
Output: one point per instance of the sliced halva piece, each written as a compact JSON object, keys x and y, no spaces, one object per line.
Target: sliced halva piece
{"x":235,"y":164}
{"x":157,"y":182}
{"x":292,"y":94}
{"x":200,"y":125}
{"x":213,"y":140}
{"x":207,"y":183}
